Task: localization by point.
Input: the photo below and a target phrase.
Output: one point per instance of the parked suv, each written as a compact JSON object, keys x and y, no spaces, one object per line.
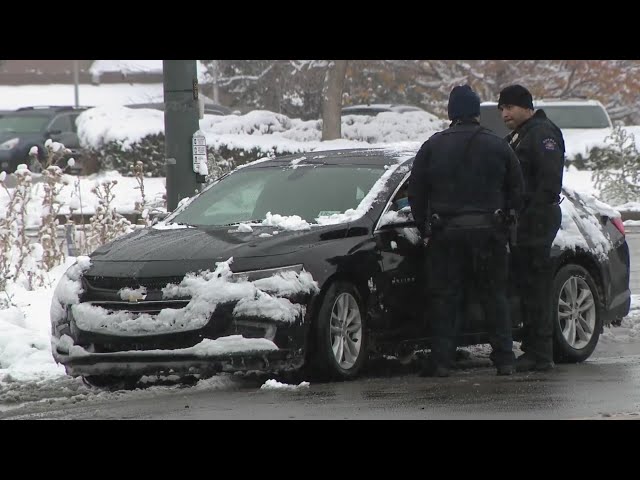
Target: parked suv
{"x":22,"y":129}
{"x":566,"y":114}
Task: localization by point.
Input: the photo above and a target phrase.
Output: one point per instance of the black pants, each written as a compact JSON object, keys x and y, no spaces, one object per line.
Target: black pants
{"x":532,"y":276}
{"x":458,"y":259}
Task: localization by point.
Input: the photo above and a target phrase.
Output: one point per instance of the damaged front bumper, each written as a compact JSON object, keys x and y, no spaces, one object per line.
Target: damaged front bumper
{"x":142,"y":363}
{"x":94,"y":353}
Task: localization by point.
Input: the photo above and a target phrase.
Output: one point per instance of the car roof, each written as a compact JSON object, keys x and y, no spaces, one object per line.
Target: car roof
{"x":381,"y":106}
{"x":353,"y":156}
{"x":50,"y":108}
{"x":554,"y":102}
{"x":208,"y":107}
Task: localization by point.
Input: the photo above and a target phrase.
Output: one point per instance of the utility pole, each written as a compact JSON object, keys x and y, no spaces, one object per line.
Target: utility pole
{"x":216,"y":99}
{"x":75,"y":83}
{"x":181,"y":121}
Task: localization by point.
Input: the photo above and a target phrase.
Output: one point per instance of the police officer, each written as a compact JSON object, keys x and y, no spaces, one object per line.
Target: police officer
{"x":539,"y":145}
{"x":462,"y":181}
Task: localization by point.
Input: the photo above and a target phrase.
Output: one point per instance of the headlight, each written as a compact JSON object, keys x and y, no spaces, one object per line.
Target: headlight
{"x":251,"y":275}
{"x":10,"y":144}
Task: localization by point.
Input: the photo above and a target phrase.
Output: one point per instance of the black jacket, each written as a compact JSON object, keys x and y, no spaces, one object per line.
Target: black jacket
{"x":539,"y":145}
{"x":450,"y":181}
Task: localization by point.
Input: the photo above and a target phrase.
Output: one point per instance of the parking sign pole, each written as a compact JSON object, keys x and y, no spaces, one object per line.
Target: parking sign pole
{"x":181,"y":121}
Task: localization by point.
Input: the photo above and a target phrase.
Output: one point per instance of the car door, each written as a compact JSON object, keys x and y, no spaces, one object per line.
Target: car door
{"x":62,"y":129}
{"x":401,"y":286}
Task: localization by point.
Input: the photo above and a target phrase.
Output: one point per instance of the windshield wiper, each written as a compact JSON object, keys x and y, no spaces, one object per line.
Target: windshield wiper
{"x":182,"y":223}
{"x":257,"y":220}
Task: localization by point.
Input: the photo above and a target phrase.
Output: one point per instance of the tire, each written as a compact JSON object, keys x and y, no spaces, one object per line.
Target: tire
{"x":340,"y":348}
{"x":111,"y":382}
{"x":577,"y":315}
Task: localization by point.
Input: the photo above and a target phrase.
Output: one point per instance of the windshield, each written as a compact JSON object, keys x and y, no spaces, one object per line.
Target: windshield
{"x":23,"y":123}
{"x":306,"y":191}
{"x":577,"y":116}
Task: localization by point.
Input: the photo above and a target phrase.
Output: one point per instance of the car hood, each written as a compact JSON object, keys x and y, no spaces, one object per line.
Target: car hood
{"x":149,"y":251}
{"x":4,"y":136}
{"x":24,"y":137}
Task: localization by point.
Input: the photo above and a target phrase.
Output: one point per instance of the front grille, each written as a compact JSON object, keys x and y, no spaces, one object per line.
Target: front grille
{"x":172,"y":342}
{"x":117,"y":283}
{"x":107,"y":288}
{"x":152,"y":308}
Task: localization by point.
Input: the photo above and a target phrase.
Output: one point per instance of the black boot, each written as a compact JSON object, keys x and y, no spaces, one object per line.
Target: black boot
{"x":526,"y":363}
{"x":432,"y":369}
{"x":529,"y":362}
{"x":505,"y":369}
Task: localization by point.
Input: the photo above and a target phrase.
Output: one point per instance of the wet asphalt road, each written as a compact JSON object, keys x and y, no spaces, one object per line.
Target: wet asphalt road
{"x":605,"y":387}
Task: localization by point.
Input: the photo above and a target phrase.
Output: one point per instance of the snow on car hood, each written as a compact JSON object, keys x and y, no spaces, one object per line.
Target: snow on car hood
{"x":205,"y":290}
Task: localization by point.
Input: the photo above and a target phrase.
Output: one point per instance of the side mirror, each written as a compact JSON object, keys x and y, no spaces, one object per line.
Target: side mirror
{"x":54,"y":132}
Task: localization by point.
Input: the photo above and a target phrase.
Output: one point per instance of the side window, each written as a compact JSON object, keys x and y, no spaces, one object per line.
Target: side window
{"x":401,"y":198}
{"x":61,"y":123}
{"x":74,"y":117}
{"x":399,"y":210}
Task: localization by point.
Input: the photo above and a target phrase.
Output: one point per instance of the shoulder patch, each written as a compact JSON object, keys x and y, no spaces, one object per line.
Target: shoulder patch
{"x":549,"y":144}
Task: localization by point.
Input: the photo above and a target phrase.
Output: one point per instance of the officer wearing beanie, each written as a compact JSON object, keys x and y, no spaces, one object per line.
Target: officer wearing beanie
{"x":539,"y":145}
{"x":462,"y":181}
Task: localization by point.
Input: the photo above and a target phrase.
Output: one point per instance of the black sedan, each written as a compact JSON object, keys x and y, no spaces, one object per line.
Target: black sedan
{"x":308,"y":260}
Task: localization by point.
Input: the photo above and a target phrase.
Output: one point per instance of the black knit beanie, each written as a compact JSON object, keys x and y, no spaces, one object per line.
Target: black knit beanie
{"x":516,"y":95}
{"x":463,"y":103}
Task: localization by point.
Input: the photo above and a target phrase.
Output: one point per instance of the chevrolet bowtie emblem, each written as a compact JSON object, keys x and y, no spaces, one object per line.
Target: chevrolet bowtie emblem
{"x":133,"y":296}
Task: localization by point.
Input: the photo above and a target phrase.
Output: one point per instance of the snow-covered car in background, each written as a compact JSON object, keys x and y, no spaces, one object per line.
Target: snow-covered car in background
{"x":300,"y":261}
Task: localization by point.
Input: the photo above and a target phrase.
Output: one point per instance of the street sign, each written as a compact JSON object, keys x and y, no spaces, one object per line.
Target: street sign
{"x":199,"y":143}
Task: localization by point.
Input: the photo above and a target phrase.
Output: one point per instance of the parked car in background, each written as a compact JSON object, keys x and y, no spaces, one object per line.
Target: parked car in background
{"x":26,"y":127}
{"x":268,"y":269}
{"x":209,"y":108}
{"x":376,"y":108}
{"x":569,"y":114}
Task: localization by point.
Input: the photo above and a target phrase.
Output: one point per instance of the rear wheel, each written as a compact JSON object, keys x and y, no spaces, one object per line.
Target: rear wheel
{"x":577,"y":316}
{"x":340,"y":333}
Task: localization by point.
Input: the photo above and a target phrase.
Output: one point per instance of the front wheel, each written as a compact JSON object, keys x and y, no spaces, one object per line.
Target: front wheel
{"x":340,"y":333}
{"x":576,"y":313}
